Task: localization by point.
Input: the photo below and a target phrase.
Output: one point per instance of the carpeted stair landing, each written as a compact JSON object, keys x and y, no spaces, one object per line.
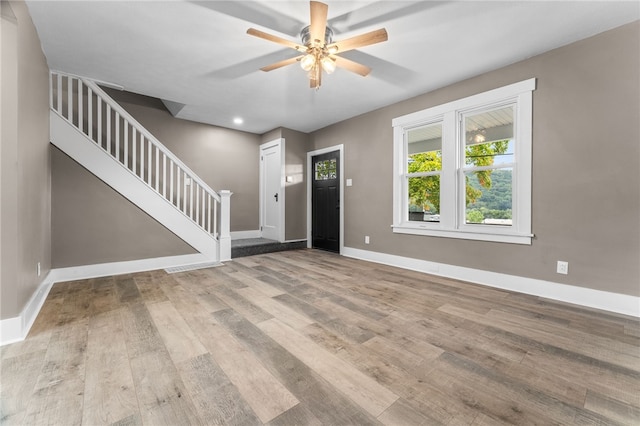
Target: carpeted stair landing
{"x":253,"y":246}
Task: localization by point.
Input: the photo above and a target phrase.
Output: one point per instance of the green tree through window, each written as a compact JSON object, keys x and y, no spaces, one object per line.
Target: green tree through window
{"x":425,"y":192}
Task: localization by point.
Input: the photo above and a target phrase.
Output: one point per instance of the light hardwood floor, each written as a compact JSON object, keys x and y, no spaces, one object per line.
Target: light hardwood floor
{"x":308,"y":337}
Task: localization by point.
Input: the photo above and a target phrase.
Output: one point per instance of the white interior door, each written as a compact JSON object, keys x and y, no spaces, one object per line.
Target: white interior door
{"x":272,"y":191}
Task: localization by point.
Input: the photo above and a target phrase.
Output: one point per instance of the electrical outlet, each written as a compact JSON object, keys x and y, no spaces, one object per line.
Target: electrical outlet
{"x":563,"y":267}
{"x":366,"y":239}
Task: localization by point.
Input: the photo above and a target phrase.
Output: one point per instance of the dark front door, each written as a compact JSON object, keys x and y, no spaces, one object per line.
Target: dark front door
{"x":325,"y":201}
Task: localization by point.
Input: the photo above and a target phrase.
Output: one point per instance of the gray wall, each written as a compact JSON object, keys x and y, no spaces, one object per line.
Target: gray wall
{"x":25,"y":190}
{"x":297,"y":145}
{"x":103,"y":226}
{"x":586,"y":169}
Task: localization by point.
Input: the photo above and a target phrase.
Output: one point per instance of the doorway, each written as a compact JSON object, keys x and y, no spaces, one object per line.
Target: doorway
{"x":325,"y":177}
{"x":272,"y":190}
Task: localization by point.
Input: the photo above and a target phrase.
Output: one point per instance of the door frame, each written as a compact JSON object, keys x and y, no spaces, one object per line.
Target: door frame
{"x":310,"y":155}
{"x":281,"y":198}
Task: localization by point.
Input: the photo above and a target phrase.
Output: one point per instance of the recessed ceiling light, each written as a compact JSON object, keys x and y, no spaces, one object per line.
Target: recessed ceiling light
{"x":238,"y":120}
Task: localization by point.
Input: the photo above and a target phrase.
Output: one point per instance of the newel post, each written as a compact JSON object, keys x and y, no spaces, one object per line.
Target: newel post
{"x":225,"y":228}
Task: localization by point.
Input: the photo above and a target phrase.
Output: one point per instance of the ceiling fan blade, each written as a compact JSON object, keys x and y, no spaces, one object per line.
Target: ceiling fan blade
{"x":266,"y":36}
{"x":318,"y":27}
{"x":352,"y":66}
{"x":358,"y":41}
{"x":281,"y":64}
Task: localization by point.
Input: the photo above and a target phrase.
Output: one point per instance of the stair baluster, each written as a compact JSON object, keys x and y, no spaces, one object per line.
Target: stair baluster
{"x":114,"y":130}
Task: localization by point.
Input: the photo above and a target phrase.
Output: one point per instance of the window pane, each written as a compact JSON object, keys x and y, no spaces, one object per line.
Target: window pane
{"x":489,"y":197}
{"x":489,"y":137}
{"x":424,"y":199}
{"x":326,"y":169}
{"x":332,"y":169}
{"x":424,"y":149}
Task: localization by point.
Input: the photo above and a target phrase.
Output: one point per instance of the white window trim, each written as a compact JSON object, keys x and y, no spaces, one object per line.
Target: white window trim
{"x":451,"y":225}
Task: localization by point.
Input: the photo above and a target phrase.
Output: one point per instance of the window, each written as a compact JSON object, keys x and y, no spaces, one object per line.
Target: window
{"x":424,"y":167}
{"x":325,"y":169}
{"x":463,"y":169}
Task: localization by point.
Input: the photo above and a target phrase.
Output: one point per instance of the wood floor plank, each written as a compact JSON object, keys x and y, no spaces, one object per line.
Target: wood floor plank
{"x":389,"y":351}
{"x":216,"y":399}
{"x":562,"y":388}
{"x":547,"y":335}
{"x":18,"y":375}
{"x":141,"y":333}
{"x":178,"y":338}
{"x":278,"y":310}
{"x":507,"y":398}
{"x":160,"y":391}
{"x":411,"y":385}
{"x":314,"y":392}
{"x":239,"y":303}
{"x":203,"y":376}
{"x":132,"y":420}
{"x":265,"y":394}
{"x":200,"y":295}
{"x":628,"y":354}
{"x":402,"y":413}
{"x":77,"y":304}
{"x":267,"y":397}
{"x":583,"y":373}
{"x":148,"y":287}
{"x":308,"y":337}
{"x":127,"y":289}
{"x":58,"y":395}
{"x":103,"y":295}
{"x":256,"y":284}
{"x":352,"y":318}
{"x":359,"y":387}
{"x":612,"y":408}
{"x":352,"y":333}
{"x":109,"y":393}
{"x":298,"y":415}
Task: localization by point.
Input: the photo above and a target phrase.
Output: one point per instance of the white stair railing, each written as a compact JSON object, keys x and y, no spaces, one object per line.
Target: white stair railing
{"x":88,"y":108}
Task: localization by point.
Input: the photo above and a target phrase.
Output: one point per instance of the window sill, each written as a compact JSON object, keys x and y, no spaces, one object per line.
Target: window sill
{"x":502,"y":237}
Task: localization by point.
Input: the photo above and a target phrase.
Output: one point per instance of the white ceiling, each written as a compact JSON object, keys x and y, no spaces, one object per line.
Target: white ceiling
{"x":197,"y":53}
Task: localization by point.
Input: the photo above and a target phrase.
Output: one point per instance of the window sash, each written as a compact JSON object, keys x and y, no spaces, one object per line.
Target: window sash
{"x":452,"y":176}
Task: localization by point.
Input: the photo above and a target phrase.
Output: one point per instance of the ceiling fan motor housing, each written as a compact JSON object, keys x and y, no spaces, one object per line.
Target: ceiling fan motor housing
{"x":305,"y":36}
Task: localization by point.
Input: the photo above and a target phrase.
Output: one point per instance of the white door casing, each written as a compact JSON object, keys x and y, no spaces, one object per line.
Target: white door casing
{"x":309,"y":176}
{"x":272,"y":190}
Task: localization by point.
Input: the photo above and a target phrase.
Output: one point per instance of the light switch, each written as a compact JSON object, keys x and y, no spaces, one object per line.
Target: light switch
{"x":349,"y":182}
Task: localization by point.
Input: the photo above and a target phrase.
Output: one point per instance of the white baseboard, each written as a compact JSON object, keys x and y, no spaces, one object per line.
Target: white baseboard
{"x":243,"y":235}
{"x":11,"y":330}
{"x":128,"y":267}
{"x":16,"y":329}
{"x":613,"y":302}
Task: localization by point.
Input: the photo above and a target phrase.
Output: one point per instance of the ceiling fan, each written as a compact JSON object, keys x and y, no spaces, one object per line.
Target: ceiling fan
{"x":317,"y":50}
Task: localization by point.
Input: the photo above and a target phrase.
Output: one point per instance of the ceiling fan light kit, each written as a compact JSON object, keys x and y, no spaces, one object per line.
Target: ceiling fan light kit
{"x":318,"y":50}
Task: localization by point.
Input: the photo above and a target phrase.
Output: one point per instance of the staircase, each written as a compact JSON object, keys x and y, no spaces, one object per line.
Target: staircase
{"x":99,"y":134}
